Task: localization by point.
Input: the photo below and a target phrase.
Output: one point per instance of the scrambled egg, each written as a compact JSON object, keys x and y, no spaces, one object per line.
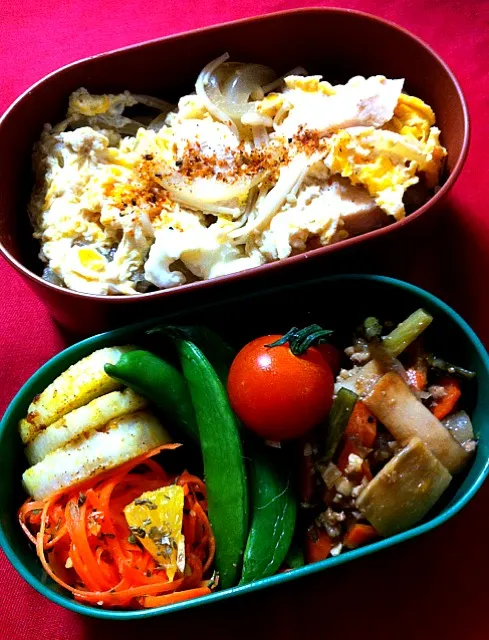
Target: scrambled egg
{"x":120,"y":207}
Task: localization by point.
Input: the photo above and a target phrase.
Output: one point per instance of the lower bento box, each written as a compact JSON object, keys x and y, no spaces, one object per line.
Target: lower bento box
{"x":333,"y":302}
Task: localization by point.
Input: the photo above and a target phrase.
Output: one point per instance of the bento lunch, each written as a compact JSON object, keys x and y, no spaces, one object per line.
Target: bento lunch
{"x":161,"y":474}
{"x":134,"y":194}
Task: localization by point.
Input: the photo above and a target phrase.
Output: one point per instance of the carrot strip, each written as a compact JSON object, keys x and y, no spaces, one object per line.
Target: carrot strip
{"x":362,"y":425}
{"x":417,"y":378}
{"x":133,"y":592}
{"x":76,"y":523}
{"x":178,"y":596}
{"x":358,"y":535}
{"x":82,"y":538}
{"x":318,"y":544}
{"x":211,"y":540}
{"x":447,"y":403}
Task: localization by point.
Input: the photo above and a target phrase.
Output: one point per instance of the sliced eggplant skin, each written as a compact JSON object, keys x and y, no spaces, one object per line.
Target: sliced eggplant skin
{"x":400,"y":411}
{"x":403,"y":492}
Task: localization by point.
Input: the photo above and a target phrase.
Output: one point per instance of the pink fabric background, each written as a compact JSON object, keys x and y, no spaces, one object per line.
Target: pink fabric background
{"x":431,"y":587}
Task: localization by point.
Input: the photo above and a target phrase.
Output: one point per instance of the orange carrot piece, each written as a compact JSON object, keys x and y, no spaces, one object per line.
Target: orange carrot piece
{"x":172,"y":598}
{"x":362,"y":425}
{"x":358,"y":535}
{"x":446,"y":405}
{"x":417,"y":378}
{"x":351,"y":446}
{"x":318,"y":544}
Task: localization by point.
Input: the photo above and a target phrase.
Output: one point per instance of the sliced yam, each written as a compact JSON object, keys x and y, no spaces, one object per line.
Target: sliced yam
{"x":121,"y":440}
{"x":399,"y":410}
{"x":403,"y":492}
{"x":91,"y":416}
{"x":78,"y":385}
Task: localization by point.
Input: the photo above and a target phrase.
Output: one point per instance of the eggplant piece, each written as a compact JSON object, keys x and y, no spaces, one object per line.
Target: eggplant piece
{"x":403,"y":492}
{"x":399,"y":410}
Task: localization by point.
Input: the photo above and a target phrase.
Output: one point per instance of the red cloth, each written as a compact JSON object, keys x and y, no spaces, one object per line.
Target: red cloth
{"x":434,"y":586}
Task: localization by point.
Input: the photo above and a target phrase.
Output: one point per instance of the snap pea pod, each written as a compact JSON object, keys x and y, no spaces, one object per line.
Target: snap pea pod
{"x":219,"y":353}
{"x":338,"y":420}
{"x":274,"y":511}
{"x":159,"y":382}
{"x":224,"y":467}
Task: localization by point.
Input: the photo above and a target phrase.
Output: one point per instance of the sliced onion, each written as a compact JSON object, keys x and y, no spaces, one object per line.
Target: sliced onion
{"x":242,"y":84}
{"x":155,"y":103}
{"x":158,"y":122}
{"x":296,"y":71}
{"x":227,"y":87}
{"x":207,"y":88}
{"x":120,"y":124}
{"x":460,"y":426}
{"x":260,"y":136}
{"x":208,"y":196}
{"x":290,"y":180}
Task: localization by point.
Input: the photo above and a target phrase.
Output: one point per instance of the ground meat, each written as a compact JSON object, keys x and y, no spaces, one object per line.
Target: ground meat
{"x":437,"y":392}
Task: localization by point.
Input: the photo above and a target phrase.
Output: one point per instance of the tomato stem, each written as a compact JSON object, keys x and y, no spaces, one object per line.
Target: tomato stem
{"x":301,"y":339}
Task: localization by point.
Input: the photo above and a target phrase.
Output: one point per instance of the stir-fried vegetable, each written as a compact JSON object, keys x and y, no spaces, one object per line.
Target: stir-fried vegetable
{"x":393,"y":403}
{"x":338,"y":419}
{"x":451,"y":393}
{"x":460,"y":426}
{"x":404,"y":490}
{"x":407,"y":332}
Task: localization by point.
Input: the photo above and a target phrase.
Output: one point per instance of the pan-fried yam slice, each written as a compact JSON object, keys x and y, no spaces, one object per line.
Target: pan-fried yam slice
{"x":79,"y":384}
{"x":392,"y":403}
{"x":91,"y":416}
{"x":403,"y":492}
{"x":121,"y":440}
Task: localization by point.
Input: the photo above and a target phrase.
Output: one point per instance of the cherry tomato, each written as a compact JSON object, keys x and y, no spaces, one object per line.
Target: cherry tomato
{"x":277,"y":394}
{"x":332,"y":356}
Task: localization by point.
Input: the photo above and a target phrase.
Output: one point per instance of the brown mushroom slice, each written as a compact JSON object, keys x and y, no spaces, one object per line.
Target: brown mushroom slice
{"x":400,"y":411}
{"x":403,"y":492}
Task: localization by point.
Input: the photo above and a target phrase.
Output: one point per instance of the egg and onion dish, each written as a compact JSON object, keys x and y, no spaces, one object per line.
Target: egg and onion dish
{"x":249,"y":169}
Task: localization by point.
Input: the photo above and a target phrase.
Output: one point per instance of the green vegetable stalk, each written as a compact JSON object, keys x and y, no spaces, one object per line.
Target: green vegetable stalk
{"x":339,"y":415}
{"x":406,"y":332}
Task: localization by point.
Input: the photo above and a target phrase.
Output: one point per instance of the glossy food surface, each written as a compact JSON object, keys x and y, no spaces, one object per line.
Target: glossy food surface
{"x":360,"y":295}
{"x":265,"y":40}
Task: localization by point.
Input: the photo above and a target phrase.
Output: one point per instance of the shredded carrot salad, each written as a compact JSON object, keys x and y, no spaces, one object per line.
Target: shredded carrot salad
{"x":85,"y":545}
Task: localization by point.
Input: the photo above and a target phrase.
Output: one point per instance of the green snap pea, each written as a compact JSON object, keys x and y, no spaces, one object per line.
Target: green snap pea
{"x":222,"y":453}
{"x":159,"y":382}
{"x":274,"y":511}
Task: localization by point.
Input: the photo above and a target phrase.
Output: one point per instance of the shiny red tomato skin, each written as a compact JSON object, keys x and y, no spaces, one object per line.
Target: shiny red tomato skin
{"x":276,"y":394}
{"x":332,"y":356}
